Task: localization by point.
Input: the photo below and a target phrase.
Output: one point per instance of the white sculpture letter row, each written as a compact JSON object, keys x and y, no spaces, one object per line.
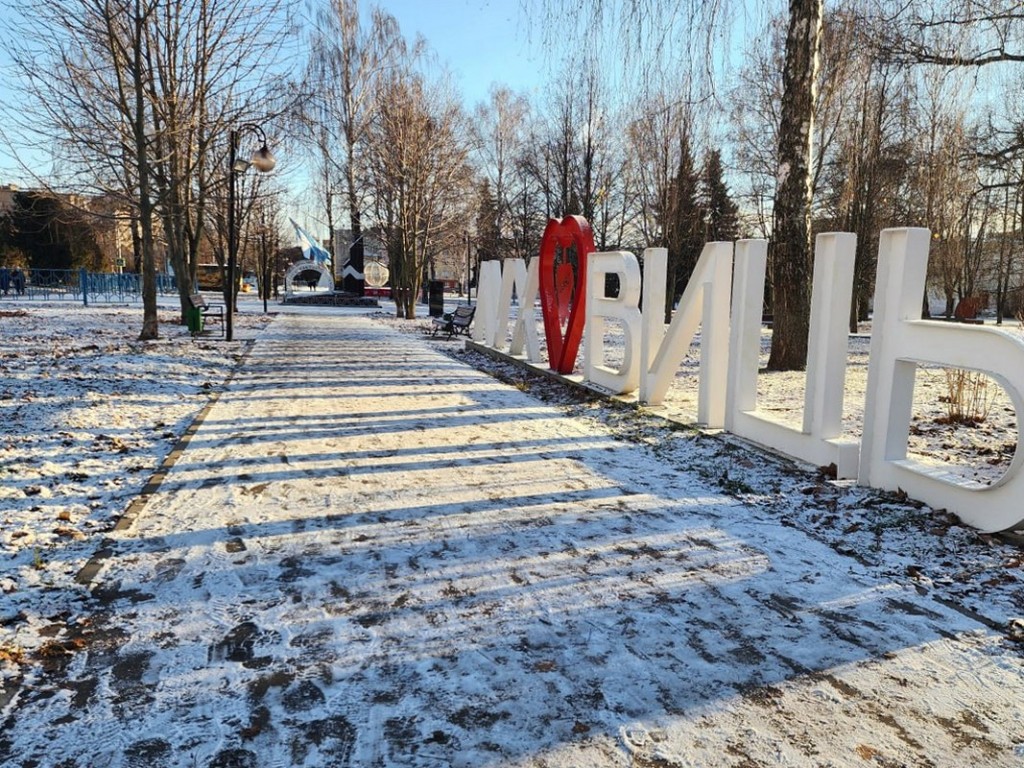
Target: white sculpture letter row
{"x":729,"y":357}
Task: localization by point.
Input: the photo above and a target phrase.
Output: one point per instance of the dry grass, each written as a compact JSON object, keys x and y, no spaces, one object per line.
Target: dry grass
{"x":969,"y":396}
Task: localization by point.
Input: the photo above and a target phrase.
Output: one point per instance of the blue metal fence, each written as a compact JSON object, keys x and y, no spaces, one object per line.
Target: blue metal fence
{"x":78,"y":285}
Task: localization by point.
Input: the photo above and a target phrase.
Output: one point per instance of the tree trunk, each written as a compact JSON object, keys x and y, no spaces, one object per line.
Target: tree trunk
{"x":791,"y":252}
{"x":670,"y":289}
{"x":150,"y":323}
{"x":175,"y":253}
{"x":150,"y":320}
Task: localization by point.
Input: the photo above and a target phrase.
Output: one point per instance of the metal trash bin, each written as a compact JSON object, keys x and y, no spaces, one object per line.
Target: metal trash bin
{"x":194,"y":320}
{"x":435,"y":298}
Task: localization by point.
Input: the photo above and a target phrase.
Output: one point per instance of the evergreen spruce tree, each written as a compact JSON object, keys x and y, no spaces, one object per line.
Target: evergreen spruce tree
{"x":488,"y":234}
{"x":684,"y":225}
{"x":722,"y":222}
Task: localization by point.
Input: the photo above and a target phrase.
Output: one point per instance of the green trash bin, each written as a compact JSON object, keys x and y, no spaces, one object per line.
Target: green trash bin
{"x":194,"y":319}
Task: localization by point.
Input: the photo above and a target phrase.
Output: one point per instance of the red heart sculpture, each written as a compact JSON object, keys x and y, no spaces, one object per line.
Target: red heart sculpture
{"x":562,"y":299}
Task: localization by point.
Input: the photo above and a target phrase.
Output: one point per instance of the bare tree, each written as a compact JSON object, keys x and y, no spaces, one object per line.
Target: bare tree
{"x":860,"y":113}
{"x":943,"y":179}
{"x":138,"y":94}
{"x":1002,"y":173}
{"x":499,"y":137}
{"x":86,"y":77}
{"x":864,"y":170}
{"x":526,"y":206}
{"x":967,"y":37}
{"x":553,"y":163}
{"x":199,"y":52}
{"x":505,"y":143}
{"x":421,"y":175}
{"x":653,"y":146}
{"x":790,"y":258}
{"x":956,"y":33}
{"x":754,"y":117}
{"x":348,"y":59}
{"x":598,"y":160}
{"x":576,"y":156}
{"x":265,"y":233}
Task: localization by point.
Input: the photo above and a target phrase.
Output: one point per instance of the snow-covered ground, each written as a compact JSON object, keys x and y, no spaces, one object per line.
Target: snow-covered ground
{"x":88,"y":414}
{"x":368,"y":553}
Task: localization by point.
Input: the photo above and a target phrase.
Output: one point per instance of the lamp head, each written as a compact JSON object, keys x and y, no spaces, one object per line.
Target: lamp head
{"x":262,"y":160}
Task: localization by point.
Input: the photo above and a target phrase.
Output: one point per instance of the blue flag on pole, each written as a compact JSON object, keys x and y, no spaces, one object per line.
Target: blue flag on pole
{"x":311,"y":249}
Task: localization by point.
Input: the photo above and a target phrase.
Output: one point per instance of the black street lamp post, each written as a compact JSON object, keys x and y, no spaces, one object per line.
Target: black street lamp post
{"x":335,"y":267}
{"x":469,"y":272}
{"x":264,"y":162}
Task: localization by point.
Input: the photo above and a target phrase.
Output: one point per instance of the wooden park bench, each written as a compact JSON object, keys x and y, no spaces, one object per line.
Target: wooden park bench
{"x":210,"y":313}
{"x":455,"y":323}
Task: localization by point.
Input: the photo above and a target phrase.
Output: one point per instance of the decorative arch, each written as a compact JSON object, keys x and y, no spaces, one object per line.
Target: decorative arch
{"x":324,"y":283}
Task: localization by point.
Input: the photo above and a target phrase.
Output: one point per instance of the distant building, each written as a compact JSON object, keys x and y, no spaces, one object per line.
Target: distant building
{"x":373,"y":247}
{"x":108,"y":219}
{"x":7,"y":193}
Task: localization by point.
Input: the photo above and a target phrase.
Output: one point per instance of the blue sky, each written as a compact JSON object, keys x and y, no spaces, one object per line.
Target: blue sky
{"x":482,"y":41}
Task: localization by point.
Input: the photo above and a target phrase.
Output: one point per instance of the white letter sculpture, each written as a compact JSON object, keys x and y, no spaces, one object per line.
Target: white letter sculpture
{"x":491,"y":317}
{"x":899,"y":341}
{"x":705,"y":302}
{"x":524,"y":332}
{"x":494,"y":306}
{"x":819,"y":441}
{"x":624,"y":308}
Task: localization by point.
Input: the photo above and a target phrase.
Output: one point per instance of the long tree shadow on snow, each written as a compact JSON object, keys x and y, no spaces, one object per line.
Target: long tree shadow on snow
{"x":473,"y":612}
{"x":500,"y":626}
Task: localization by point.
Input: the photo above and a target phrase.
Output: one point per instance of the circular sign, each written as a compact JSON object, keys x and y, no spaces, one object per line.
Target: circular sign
{"x":375,"y":274}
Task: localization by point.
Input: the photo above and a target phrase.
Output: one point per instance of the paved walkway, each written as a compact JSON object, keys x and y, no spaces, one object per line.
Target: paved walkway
{"x":371,"y":555}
